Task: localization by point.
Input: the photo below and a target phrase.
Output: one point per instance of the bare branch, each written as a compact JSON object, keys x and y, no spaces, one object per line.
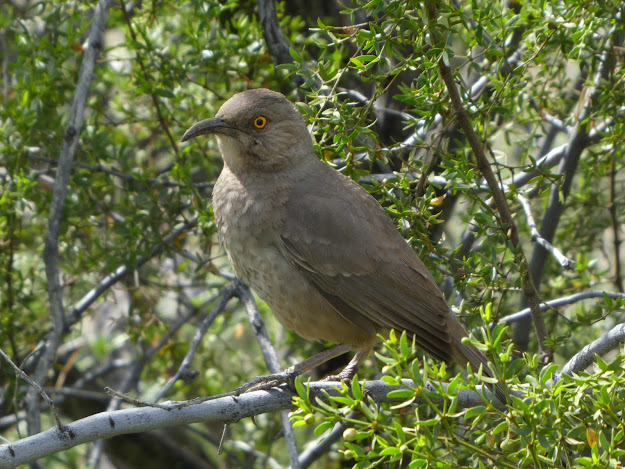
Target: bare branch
{"x":227,"y":294}
{"x":112,"y":278}
{"x":321,"y":445}
{"x":277,"y":45}
{"x":618,"y":278}
{"x":563,"y":301}
{"x":555,"y":252}
{"x":225,"y":410}
{"x":271,"y":359}
{"x":57,"y":206}
{"x":584,"y":358}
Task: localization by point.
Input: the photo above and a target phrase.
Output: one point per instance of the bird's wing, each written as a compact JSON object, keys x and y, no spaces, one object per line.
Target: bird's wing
{"x":344,"y":243}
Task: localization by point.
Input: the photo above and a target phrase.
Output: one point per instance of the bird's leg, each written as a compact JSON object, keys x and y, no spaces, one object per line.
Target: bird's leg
{"x":352,"y":367}
{"x":288,"y":376}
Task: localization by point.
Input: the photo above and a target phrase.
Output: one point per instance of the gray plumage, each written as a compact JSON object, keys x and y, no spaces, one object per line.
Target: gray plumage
{"x":316,"y":246}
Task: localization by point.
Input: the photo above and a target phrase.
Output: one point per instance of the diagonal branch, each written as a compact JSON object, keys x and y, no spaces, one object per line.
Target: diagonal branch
{"x":148,"y":78}
{"x":510,"y":228}
{"x":271,"y":359}
{"x":585,"y":357}
{"x":554,"y":251}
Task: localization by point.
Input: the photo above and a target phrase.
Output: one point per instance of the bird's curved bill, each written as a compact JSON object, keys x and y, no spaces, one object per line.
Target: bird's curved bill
{"x":214,"y":125}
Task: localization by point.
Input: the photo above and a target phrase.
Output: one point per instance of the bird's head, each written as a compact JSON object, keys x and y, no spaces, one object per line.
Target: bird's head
{"x":258,"y":129}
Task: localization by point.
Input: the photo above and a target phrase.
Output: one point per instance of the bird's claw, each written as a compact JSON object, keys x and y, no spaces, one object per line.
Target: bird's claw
{"x":265,"y":383}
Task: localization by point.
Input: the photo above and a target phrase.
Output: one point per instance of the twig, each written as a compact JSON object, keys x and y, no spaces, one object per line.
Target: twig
{"x":140,"y":184}
{"x":57,"y":206}
{"x":36,"y":386}
{"x":563,"y":301}
{"x":271,"y":359}
{"x":227,"y":294}
{"x":148,"y":77}
{"x":618,"y":280}
{"x":510,"y":229}
{"x":555,"y":252}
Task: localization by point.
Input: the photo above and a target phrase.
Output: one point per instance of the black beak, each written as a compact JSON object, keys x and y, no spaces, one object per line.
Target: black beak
{"x":214,"y":125}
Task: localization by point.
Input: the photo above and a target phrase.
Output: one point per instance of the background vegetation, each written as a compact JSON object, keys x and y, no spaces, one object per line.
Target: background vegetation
{"x":134,"y":246}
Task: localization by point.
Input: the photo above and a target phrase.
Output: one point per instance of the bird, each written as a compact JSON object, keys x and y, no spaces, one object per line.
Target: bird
{"x":316,"y":246}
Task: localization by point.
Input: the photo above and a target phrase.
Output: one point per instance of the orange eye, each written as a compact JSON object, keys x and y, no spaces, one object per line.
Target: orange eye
{"x":260,"y":122}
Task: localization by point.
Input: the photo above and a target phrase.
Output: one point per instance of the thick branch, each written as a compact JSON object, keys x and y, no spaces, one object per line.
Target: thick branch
{"x":277,"y":45}
{"x":225,"y":410}
{"x":601,"y":346}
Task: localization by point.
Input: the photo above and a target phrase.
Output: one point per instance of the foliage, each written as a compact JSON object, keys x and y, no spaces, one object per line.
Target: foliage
{"x":577,"y":422}
{"x":532,"y":74}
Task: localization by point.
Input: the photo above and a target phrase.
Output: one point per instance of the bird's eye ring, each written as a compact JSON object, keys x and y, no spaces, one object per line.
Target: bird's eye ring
{"x":260,"y":122}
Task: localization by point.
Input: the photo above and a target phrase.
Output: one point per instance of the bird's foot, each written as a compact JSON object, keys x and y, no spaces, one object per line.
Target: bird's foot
{"x":346,"y":376}
{"x":264,"y":383}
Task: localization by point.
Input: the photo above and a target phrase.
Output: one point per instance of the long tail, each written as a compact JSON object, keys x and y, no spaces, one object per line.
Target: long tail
{"x":468,"y":353}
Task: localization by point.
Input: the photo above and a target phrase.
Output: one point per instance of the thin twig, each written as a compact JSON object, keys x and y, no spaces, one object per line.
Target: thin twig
{"x":618,"y":280}
{"x":563,"y":301}
{"x":555,"y":252}
{"x":148,"y":78}
{"x":36,"y":386}
{"x":227,"y":294}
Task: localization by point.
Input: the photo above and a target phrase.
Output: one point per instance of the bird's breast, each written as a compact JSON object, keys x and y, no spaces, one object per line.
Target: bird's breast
{"x":249,"y":224}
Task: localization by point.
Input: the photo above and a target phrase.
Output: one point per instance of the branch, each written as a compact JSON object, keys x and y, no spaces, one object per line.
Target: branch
{"x":112,"y":278}
{"x":618,"y":280}
{"x":555,"y":252}
{"x":601,"y":346}
{"x":271,"y":359}
{"x":277,"y":45}
{"x":321,"y":445}
{"x":223,"y":410}
{"x":148,"y":78}
{"x":57,"y":206}
{"x":563,"y":301}
{"x":510,"y":229}
{"x":228,"y":293}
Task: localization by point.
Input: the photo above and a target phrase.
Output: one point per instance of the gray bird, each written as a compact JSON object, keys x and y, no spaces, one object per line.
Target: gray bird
{"x":317,"y":247}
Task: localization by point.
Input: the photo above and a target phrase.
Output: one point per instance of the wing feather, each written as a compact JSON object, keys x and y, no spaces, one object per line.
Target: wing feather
{"x":347,"y":247}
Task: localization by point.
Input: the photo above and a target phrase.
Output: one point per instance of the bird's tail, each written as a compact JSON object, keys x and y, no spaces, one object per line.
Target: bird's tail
{"x":469,"y":353}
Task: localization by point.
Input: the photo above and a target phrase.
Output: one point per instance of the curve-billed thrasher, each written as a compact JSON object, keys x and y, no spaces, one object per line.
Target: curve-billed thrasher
{"x":313,"y":244}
